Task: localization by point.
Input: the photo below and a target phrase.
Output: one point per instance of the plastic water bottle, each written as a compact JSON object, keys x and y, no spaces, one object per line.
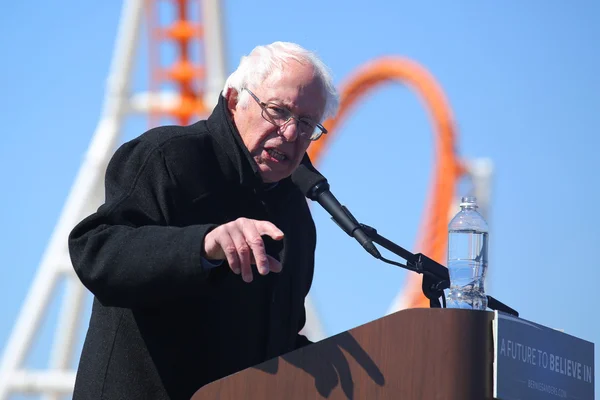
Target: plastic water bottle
{"x":467,"y":257}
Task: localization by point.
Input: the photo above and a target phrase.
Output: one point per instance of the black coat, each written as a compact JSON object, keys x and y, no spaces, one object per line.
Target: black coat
{"x":161,"y":326}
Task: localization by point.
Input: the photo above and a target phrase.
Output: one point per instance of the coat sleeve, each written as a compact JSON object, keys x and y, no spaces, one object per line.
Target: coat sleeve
{"x":127,"y":253}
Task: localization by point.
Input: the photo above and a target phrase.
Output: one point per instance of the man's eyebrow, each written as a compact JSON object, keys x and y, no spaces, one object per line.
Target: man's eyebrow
{"x":289,"y":106}
{"x":280,"y":102}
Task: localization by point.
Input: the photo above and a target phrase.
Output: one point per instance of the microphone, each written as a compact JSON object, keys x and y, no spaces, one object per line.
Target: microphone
{"x":314,"y":186}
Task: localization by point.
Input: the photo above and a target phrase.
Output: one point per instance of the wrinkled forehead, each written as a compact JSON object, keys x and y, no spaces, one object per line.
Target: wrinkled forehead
{"x":298,"y":88}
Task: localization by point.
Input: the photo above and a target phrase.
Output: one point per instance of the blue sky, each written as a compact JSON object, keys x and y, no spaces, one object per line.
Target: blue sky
{"x":522,"y":81}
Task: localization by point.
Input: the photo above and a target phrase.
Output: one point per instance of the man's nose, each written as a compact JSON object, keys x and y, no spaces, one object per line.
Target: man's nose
{"x":290,"y":130}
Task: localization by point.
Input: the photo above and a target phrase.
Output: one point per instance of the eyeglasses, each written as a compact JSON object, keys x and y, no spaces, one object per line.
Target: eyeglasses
{"x":279,"y":116}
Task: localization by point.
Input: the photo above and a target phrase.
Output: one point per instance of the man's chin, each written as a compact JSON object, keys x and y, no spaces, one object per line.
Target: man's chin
{"x":270,"y":176}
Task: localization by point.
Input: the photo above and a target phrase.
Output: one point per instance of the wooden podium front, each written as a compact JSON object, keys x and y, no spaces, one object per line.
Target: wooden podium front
{"x":412,"y":354}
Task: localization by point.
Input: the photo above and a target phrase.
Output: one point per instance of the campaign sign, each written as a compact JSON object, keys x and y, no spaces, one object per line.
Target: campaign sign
{"x":534,"y":362}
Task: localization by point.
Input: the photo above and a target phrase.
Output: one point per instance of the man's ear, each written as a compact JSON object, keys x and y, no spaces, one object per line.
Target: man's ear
{"x":232,"y":97}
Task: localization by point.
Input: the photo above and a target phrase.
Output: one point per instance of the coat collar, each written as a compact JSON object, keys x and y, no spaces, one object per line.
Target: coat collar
{"x":238,"y":165}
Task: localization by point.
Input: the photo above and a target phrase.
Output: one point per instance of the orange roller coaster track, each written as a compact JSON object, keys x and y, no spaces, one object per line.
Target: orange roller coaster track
{"x":432,"y":237}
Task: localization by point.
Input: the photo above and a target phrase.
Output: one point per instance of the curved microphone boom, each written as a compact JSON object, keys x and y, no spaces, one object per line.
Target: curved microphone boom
{"x":315,"y":187}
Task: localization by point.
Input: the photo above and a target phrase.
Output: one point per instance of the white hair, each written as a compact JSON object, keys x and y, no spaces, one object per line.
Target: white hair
{"x":263,"y":61}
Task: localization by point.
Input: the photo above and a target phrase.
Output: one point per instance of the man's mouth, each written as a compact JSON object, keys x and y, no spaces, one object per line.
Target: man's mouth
{"x":277,"y":155}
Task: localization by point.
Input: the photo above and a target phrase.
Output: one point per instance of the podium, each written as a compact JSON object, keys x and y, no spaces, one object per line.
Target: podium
{"x":412,"y":354}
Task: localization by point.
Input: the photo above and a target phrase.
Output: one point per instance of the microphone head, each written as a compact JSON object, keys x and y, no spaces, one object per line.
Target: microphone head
{"x":307,"y":178}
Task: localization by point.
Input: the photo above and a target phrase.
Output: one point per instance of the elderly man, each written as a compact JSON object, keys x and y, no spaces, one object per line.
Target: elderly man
{"x":195,"y":219}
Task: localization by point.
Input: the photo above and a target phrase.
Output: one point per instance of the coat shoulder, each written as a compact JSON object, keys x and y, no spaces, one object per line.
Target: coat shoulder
{"x":188,"y":151}
{"x":175,"y":136}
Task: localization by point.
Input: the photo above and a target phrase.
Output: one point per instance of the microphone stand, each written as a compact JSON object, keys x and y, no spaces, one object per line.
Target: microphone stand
{"x":435,"y":276}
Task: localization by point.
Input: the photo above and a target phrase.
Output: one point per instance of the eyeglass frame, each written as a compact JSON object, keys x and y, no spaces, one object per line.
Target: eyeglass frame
{"x":264,"y":105}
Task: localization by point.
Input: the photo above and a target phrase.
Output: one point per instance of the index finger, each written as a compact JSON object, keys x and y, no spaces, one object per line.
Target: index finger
{"x":268,"y":228}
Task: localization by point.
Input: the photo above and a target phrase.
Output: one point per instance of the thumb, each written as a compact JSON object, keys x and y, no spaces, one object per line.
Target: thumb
{"x":274,"y":265}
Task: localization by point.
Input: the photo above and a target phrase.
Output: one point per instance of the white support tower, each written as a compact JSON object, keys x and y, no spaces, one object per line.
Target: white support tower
{"x":86,"y":195}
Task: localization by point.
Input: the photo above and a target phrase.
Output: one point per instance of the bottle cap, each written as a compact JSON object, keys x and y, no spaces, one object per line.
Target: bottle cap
{"x":468,"y":201}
